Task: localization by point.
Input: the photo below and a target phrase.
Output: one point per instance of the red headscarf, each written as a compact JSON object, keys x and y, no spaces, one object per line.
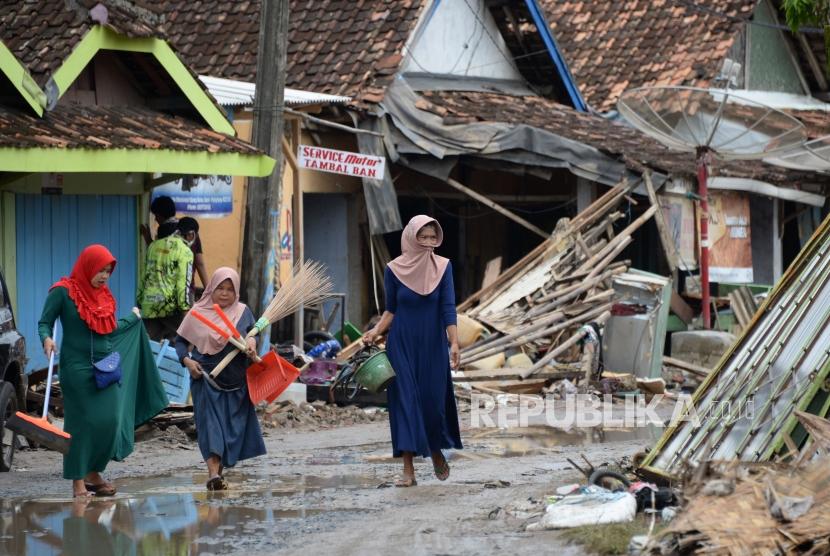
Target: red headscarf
{"x":96,"y":306}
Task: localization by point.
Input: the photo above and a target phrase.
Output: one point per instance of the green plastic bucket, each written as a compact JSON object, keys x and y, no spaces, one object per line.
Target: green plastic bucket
{"x":375,"y":373}
{"x":352,"y":334}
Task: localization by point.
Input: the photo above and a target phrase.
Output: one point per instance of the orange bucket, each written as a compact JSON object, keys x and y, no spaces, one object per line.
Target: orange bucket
{"x":270,"y":377}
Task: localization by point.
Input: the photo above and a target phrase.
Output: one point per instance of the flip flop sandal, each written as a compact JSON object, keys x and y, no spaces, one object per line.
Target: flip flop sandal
{"x":442,"y":470}
{"x":405,"y":482}
{"x":217,"y":483}
{"x":103,"y":489}
{"x":84,"y":494}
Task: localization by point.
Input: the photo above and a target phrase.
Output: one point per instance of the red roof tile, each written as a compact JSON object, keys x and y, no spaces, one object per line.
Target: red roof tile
{"x":342,"y":47}
{"x":636,"y":150}
{"x":73,"y":126}
{"x":611,"y":45}
{"x":42,"y":33}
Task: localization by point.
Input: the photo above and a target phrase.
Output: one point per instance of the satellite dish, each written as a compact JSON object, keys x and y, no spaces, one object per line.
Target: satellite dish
{"x":732,"y":127}
{"x":710,"y":123}
{"x":814,"y":155}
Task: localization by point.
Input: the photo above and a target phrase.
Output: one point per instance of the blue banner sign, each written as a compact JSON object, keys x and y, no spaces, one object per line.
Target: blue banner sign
{"x":204,"y":196}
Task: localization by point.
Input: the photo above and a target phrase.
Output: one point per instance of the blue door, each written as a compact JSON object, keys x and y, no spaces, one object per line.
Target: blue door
{"x":51,"y":232}
{"x":326,"y":240}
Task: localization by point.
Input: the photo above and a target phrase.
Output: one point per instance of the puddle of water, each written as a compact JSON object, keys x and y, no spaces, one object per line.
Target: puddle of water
{"x":537,"y":440}
{"x":245,"y":483}
{"x":485,"y":443}
{"x":184,"y":520}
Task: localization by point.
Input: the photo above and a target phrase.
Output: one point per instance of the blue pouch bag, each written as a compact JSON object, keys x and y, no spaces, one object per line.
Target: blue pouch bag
{"x":107,"y":371}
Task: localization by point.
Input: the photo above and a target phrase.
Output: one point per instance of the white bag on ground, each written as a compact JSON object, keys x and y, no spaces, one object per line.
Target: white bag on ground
{"x":588,"y":509}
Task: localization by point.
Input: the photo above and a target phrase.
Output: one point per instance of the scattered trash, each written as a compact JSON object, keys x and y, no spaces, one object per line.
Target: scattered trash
{"x":787,"y":508}
{"x":317,"y":415}
{"x":593,"y":507}
{"x":325,"y":350}
{"x":718,"y":487}
{"x":668,"y":513}
{"x":567,"y":489}
{"x":751,"y":514}
{"x":637,"y":544}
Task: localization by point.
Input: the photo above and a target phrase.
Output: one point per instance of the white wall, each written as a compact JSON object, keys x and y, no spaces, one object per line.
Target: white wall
{"x":451,"y":40}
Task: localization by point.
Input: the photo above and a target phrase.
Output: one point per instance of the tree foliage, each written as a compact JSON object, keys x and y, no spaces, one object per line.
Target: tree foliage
{"x":806,"y":12}
{"x":810,"y":12}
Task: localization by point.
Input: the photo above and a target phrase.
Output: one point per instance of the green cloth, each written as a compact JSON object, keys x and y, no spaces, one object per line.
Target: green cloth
{"x":164,"y":288}
{"x":102,"y":422}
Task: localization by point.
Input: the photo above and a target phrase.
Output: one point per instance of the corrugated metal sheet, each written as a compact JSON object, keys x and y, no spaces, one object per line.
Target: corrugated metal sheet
{"x":229,"y":92}
{"x":51,"y":232}
{"x":779,"y":365}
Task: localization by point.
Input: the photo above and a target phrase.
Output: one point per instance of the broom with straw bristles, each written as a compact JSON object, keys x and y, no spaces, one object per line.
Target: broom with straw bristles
{"x":309,"y":285}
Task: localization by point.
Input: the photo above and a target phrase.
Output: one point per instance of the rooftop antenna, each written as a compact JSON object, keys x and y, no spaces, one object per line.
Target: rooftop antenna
{"x":711,"y":123}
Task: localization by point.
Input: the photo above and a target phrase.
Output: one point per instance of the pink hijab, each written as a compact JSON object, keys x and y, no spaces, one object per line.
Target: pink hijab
{"x":197,"y":333}
{"x":418,"y":267}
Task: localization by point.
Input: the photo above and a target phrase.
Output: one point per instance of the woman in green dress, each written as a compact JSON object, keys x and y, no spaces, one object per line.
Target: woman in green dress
{"x":101,"y":421}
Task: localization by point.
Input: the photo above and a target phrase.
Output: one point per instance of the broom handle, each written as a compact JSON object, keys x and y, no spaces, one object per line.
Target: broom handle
{"x":240,"y":345}
{"x":49,"y":373}
{"x":229,"y":357}
{"x":234,"y":331}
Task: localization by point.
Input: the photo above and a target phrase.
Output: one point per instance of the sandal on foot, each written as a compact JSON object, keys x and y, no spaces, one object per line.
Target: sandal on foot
{"x":405,"y":482}
{"x":442,"y":470}
{"x":84,"y":494}
{"x":217,"y":483}
{"x":103,"y":489}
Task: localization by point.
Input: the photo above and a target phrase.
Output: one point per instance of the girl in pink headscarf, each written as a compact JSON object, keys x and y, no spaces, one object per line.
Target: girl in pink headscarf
{"x":226,"y":423}
{"x":422,"y":347}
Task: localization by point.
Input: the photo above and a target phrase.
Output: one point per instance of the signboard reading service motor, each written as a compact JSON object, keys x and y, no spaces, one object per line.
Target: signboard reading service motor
{"x":341,"y":162}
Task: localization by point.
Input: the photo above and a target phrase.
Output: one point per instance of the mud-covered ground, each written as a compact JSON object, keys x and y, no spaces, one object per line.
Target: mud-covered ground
{"x":321,"y":491}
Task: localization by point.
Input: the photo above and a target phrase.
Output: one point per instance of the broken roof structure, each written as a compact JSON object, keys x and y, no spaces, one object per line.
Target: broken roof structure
{"x":746,"y":408}
{"x":608,"y":47}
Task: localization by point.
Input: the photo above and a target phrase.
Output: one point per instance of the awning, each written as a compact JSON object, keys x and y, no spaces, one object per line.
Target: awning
{"x":117,"y":139}
{"x":764,"y":188}
{"x":230,"y":92}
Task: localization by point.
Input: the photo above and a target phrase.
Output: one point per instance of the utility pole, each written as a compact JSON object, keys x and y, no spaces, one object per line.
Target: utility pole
{"x":259,"y":257}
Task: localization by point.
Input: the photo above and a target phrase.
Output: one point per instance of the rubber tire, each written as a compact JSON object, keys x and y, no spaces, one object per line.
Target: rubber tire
{"x":8,"y":407}
{"x":315,"y":337}
{"x":603,"y":473}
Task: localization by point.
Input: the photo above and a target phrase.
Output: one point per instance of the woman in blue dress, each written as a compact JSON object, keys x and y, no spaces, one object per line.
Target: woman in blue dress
{"x":227,"y":428}
{"x":422,"y":346}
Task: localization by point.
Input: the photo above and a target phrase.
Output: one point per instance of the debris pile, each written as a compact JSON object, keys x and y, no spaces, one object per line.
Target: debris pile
{"x":550,"y":307}
{"x":317,"y":415}
{"x":741,"y":509}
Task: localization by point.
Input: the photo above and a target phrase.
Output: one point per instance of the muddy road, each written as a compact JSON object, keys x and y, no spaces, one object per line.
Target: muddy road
{"x":326,"y":491}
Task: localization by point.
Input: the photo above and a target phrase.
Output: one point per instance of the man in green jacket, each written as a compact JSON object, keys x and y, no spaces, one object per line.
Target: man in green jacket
{"x":164,"y":292}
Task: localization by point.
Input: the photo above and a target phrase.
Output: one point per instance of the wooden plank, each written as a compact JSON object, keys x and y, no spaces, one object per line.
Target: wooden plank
{"x":691,"y":367}
{"x":491,"y":272}
{"x":812,"y":61}
{"x":680,"y":308}
{"x":533,"y":386}
{"x":564,"y":346}
{"x":669,"y":248}
{"x":497,"y":207}
{"x":563,"y":371}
